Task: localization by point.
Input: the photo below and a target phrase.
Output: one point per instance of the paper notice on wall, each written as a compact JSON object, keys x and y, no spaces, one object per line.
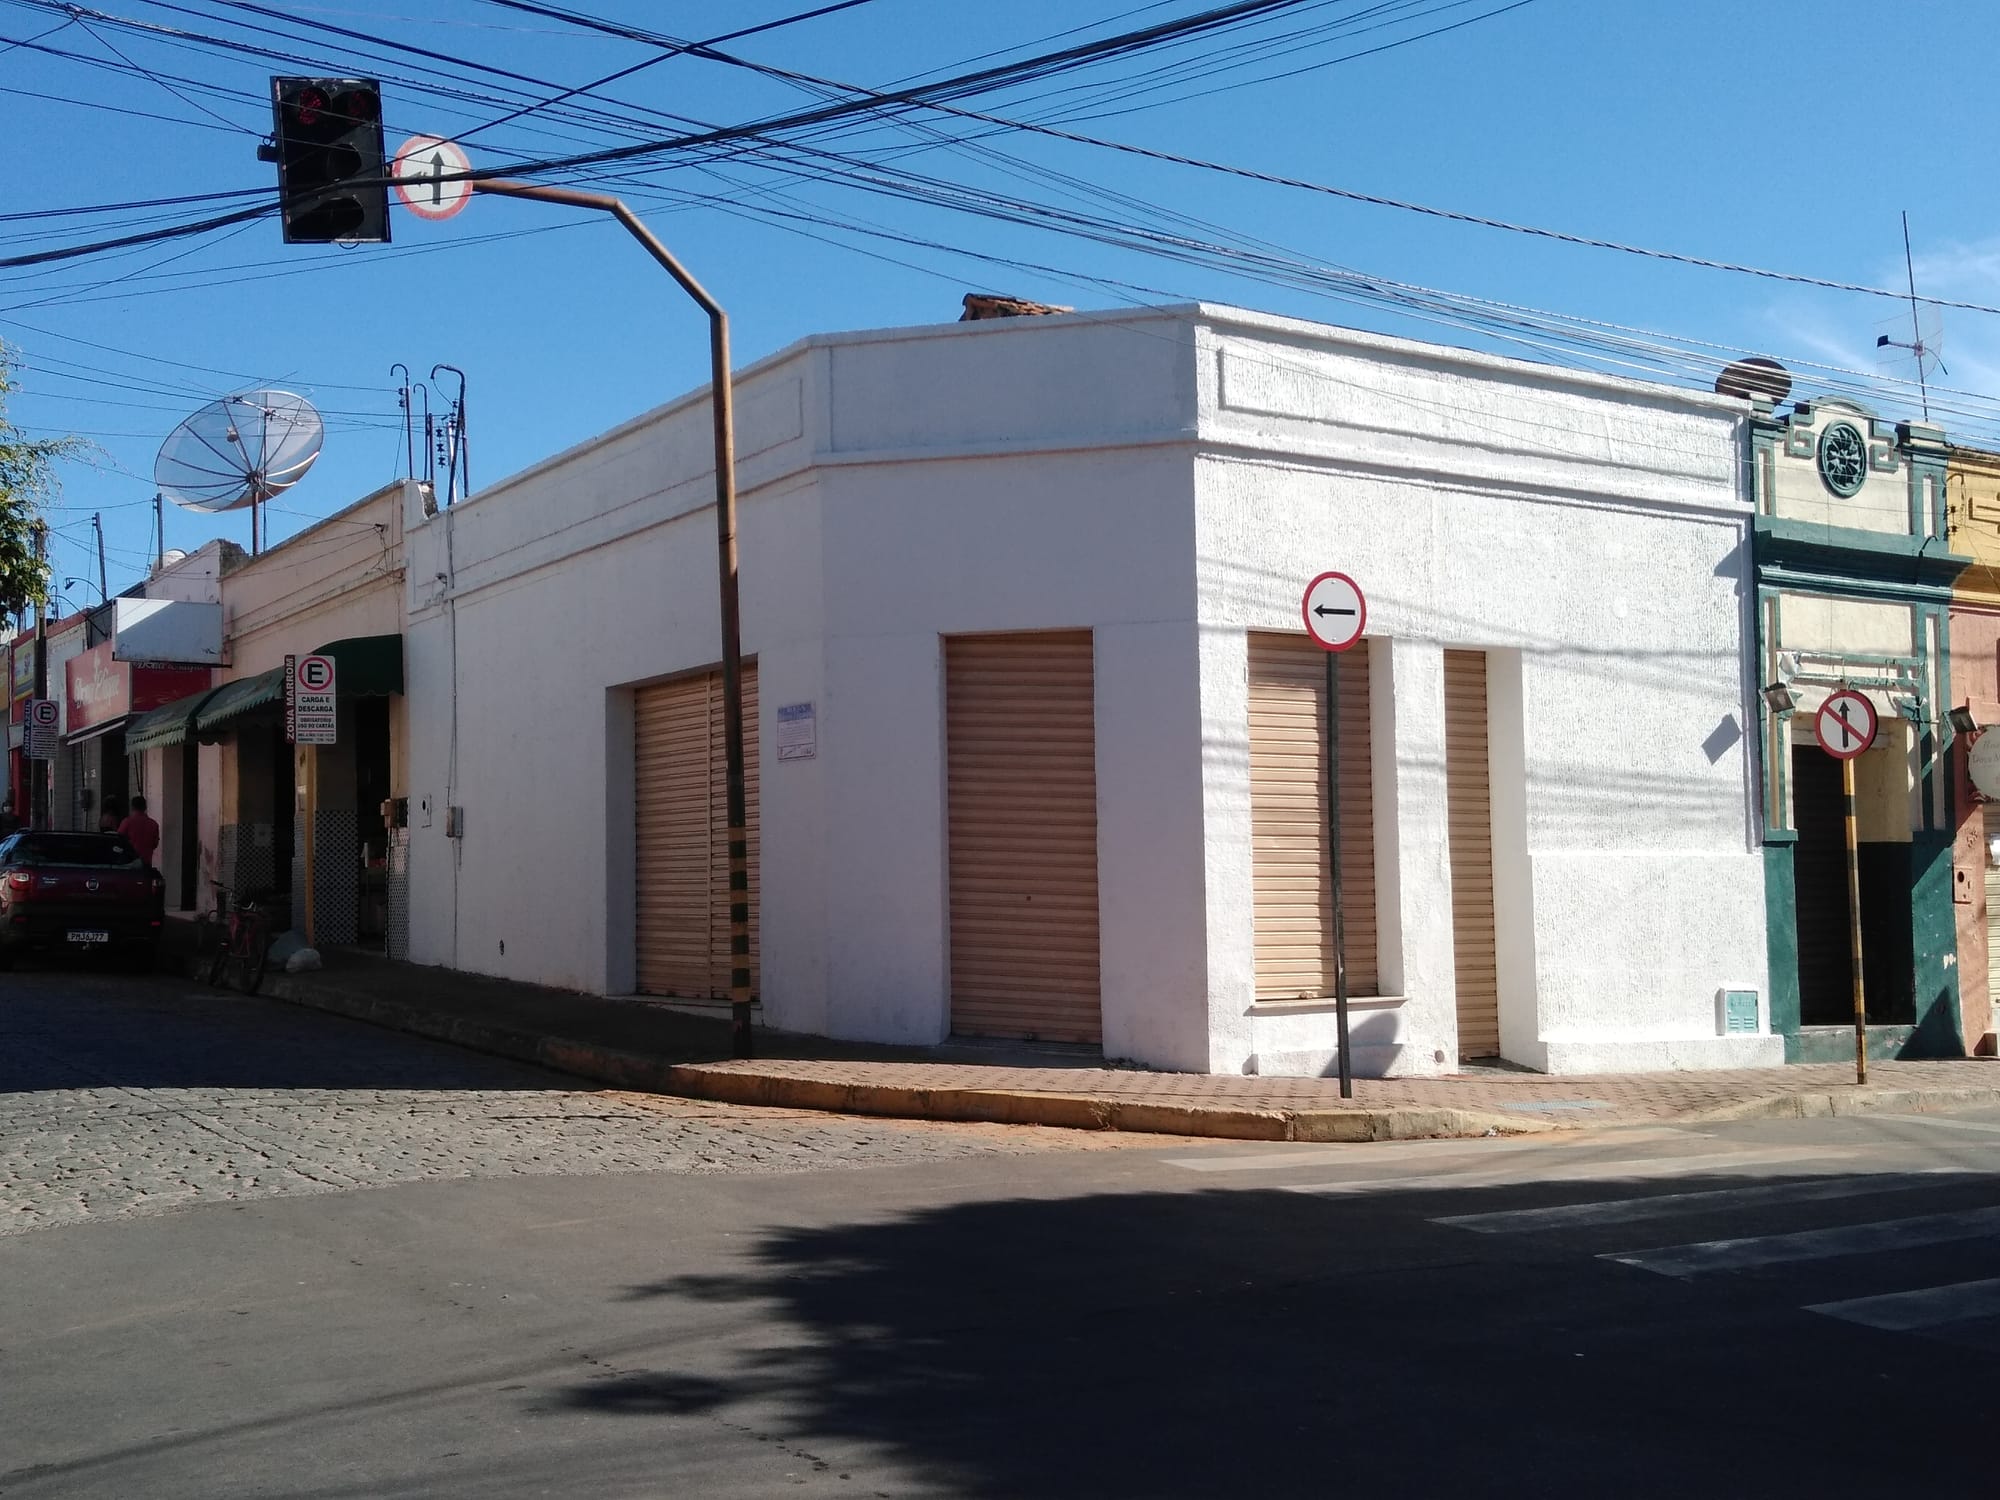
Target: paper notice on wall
{"x":798,"y":731}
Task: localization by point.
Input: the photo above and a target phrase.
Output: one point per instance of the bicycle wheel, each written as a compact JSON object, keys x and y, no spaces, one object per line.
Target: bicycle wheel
{"x":213,"y":955}
{"x":249,"y":955}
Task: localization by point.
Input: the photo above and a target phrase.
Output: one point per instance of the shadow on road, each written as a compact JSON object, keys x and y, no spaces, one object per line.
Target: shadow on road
{"x":1266,"y":1343}
{"x":83,"y":1026}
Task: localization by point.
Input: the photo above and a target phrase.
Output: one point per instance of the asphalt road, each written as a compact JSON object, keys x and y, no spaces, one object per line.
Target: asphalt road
{"x":247,"y":1250}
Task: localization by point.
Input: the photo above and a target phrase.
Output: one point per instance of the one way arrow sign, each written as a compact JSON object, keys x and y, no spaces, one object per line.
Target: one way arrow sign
{"x":1335,"y":613}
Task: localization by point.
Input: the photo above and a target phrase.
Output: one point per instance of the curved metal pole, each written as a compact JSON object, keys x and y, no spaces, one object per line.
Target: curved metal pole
{"x":725,"y":527}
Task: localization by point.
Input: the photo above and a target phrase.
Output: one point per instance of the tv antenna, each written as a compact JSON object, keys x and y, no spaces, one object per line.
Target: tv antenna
{"x":1921,"y":347}
{"x":239,"y":451}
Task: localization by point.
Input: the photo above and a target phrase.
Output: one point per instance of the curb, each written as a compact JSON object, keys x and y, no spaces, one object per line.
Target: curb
{"x":643,"y":1073}
{"x":732,"y":1085}
{"x":1859,"y":1100}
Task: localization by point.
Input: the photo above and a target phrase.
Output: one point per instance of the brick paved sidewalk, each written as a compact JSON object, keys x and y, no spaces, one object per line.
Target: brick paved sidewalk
{"x":652,"y":1046}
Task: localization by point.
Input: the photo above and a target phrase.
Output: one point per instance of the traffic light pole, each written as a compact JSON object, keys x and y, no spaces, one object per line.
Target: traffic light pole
{"x":725,"y":524}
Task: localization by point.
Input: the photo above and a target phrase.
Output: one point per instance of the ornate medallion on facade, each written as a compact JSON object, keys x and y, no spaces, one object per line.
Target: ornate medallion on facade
{"x":1843,"y":458}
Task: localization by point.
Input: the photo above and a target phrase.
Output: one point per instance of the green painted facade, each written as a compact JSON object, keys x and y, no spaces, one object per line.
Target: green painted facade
{"x":1821,"y":563}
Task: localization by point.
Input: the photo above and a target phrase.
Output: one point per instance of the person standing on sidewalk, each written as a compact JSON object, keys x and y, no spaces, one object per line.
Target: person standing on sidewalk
{"x":141,"y":831}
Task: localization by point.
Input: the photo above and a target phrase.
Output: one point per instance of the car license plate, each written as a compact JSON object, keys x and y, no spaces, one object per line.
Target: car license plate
{"x":89,"y":935}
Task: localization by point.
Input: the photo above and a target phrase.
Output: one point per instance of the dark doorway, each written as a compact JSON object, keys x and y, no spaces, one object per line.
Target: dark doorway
{"x":190,"y":770}
{"x":371,"y":790}
{"x":284,"y":804}
{"x":1819,"y":868}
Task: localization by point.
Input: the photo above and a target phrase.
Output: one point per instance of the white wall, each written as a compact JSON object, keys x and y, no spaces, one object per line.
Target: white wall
{"x":1168,"y":479}
{"x":1592,"y":536}
{"x":896,"y":488}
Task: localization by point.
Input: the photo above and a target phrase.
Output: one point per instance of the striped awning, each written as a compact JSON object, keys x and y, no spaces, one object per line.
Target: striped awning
{"x":169,"y":724}
{"x":234,"y":699}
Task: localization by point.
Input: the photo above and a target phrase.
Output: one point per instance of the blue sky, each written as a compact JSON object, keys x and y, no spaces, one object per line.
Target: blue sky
{"x":1788,"y":139}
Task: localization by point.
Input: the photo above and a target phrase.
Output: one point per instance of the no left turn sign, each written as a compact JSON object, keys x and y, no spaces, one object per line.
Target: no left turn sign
{"x":1845,"y":724}
{"x":1335,"y":612}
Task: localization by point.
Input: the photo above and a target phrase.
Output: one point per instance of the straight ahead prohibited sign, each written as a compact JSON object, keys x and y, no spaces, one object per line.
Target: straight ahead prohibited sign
{"x":1845,"y":724}
{"x":423,"y":162}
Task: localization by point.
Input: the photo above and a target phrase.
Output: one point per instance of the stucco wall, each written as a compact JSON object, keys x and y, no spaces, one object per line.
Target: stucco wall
{"x":1447,"y":488}
{"x":1168,"y":479}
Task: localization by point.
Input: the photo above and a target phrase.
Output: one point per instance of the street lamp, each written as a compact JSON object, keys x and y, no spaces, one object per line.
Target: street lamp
{"x":1779,"y":696}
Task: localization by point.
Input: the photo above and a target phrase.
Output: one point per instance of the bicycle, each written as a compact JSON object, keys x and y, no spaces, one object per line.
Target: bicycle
{"x":235,"y":940}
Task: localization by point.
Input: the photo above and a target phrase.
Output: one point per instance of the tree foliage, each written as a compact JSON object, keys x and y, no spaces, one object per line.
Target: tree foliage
{"x":28,"y":483}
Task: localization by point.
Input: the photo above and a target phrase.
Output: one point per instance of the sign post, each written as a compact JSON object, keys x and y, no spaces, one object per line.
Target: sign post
{"x":312,"y":719}
{"x":1335,"y":615}
{"x":1845,"y":727}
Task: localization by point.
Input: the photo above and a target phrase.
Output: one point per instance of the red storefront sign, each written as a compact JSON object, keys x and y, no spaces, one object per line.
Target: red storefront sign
{"x":21,"y":676}
{"x":101,"y":689}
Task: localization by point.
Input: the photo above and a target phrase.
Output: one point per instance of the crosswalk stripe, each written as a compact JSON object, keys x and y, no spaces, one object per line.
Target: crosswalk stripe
{"x":1369,"y":1151}
{"x":1812,"y":1244}
{"x":1532,"y":1171}
{"x":1666,"y":1205}
{"x":1942,"y":1123}
{"x":1927,"y":1307}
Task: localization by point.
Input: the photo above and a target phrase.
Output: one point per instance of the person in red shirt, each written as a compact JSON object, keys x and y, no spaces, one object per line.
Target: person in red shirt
{"x":141,"y":831}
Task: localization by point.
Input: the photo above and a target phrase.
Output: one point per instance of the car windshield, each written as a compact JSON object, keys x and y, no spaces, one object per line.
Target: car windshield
{"x":102,"y":851}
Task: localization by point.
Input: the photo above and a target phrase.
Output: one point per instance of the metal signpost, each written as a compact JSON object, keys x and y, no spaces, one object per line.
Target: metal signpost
{"x":1845,"y":727}
{"x":1335,"y":615}
{"x":432,"y":194}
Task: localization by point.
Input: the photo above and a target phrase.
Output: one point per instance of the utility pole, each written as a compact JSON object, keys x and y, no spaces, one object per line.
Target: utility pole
{"x":97,"y":524}
{"x":39,"y":793}
{"x":740,"y":1038}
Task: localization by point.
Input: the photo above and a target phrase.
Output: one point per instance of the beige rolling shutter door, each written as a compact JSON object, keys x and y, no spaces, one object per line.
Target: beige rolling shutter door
{"x":1993,"y":938}
{"x":1021,"y":774}
{"x":1468,"y":791}
{"x":682,"y":854}
{"x":1293,"y":915}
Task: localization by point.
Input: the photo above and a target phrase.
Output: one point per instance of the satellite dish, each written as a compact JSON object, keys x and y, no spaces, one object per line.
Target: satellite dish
{"x":1755,"y":376}
{"x":171,"y":556}
{"x":1983,"y":765}
{"x":239,"y":451}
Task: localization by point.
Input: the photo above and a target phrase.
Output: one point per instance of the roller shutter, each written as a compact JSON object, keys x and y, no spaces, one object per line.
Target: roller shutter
{"x":683,"y":834}
{"x":1993,"y":939}
{"x":1293,"y":893}
{"x":1468,"y":793}
{"x":1021,"y":798}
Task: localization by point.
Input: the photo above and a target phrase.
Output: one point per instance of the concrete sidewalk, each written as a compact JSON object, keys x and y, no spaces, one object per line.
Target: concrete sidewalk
{"x":658,"y":1048}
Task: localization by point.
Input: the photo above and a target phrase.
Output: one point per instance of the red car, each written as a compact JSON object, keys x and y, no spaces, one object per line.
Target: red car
{"x":80,"y":893}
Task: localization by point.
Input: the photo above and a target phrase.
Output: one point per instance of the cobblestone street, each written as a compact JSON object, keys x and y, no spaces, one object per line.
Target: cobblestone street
{"x":123,"y":1096}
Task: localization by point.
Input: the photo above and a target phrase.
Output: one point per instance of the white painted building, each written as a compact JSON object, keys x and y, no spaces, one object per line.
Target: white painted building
{"x":1023,"y":597}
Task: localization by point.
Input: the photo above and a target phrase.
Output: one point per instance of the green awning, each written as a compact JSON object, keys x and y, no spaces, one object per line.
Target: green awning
{"x":169,"y":724}
{"x":234,"y":699}
{"x":367,"y":666}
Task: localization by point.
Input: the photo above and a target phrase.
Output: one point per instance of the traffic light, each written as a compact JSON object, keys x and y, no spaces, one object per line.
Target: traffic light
{"x":332,"y":179}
